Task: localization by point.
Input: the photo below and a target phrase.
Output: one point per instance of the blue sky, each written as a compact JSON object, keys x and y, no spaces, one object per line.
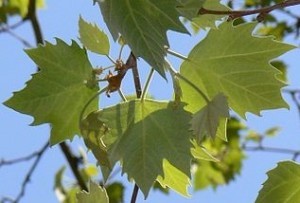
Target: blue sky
{"x":60,"y":19}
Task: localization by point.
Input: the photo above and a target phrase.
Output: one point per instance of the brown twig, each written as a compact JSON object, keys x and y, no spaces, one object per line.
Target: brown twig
{"x":261,"y":11}
{"x":131,"y":62}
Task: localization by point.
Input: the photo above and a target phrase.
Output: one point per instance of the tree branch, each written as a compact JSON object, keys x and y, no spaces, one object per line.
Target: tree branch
{"x":26,"y":180}
{"x":261,"y":11}
{"x":134,"y":193}
{"x":74,"y":164}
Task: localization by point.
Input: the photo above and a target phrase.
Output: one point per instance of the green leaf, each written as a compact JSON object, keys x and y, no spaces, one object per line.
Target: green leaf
{"x":143,"y":24}
{"x":93,"y":38}
{"x":174,"y":179}
{"x":95,"y":194}
{"x":282,"y":67}
{"x":148,"y":132}
{"x":189,"y":8}
{"x":232,"y":61}
{"x":208,"y":20}
{"x":205,"y":122}
{"x":282,"y":184}
{"x":58,"y":92}
{"x":115,"y":192}
{"x":199,"y":152}
{"x":93,"y":131}
{"x":271,"y":132}
{"x":229,"y":155}
{"x":58,"y":179}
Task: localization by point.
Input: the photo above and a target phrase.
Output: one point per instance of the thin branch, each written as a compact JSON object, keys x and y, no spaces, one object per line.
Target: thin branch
{"x":74,"y":164}
{"x":19,"y":38}
{"x":27,"y":178}
{"x":134,"y":193}
{"x":262,"y":11}
{"x":31,"y":16}
{"x":131,"y":63}
{"x":146,"y":87}
{"x":11,"y":27}
{"x":295,"y":153}
{"x":4,"y":162}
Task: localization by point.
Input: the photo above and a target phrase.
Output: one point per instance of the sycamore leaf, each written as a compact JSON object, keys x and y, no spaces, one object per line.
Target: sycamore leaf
{"x":93,"y":38}
{"x":199,"y":152}
{"x":189,"y":8}
{"x":174,"y":179}
{"x":232,"y":61}
{"x":205,"y":122}
{"x":208,"y":20}
{"x":58,"y":92}
{"x":230,"y":157}
{"x":143,"y":24}
{"x":148,"y":132}
{"x":282,"y":184}
{"x":115,"y":192}
{"x":95,"y":194}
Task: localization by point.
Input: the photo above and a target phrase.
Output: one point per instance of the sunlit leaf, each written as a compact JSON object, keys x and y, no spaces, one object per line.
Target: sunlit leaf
{"x":199,"y":152}
{"x":240,"y":70}
{"x":205,"y":122}
{"x":148,"y":132}
{"x":58,"y":92}
{"x":95,"y":194}
{"x":282,"y":184}
{"x":93,"y":38}
{"x":174,"y":179}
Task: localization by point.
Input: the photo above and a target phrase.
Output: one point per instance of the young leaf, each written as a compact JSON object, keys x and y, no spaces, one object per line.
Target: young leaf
{"x":149,"y":132}
{"x":174,"y":179}
{"x":95,"y":194}
{"x":232,"y":61}
{"x":58,"y":92}
{"x":93,"y":38}
{"x":201,"y":153}
{"x":143,"y":24}
{"x":282,"y":184}
{"x":205,"y":122}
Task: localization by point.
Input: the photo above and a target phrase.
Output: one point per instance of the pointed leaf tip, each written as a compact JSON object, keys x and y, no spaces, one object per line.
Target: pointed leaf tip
{"x":57,"y":93}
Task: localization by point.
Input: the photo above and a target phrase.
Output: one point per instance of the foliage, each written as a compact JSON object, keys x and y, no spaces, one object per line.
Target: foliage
{"x":159,"y":142}
{"x":282,"y":184}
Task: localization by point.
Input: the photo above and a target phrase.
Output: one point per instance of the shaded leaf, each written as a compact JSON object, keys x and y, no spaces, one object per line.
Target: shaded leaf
{"x":282,"y":184}
{"x":95,"y":194}
{"x":205,"y":122}
{"x":240,"y":69}
{"x":174,"y":179}
{"x":282,"y":67}
{"x":115,"y":192}
{"x":58,"y":92}
{"x":143,"y":24}
{"x":93,"y":38}
{"x":148,"y":132}
{"x":229,"y":155}
{"x":189,"y":8}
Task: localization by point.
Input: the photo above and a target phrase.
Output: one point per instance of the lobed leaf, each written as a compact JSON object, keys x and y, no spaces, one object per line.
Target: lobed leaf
{"x":59,"y":91}
{"x":95,"y":194}
{"x":232,"y":61}
{"x":205,"y":122}
{"x":282,"y":184}
{"x":143,"y":24}
{"x":93,"y":38}
{"x":148,"y":132}
{"x":174,"y":179}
